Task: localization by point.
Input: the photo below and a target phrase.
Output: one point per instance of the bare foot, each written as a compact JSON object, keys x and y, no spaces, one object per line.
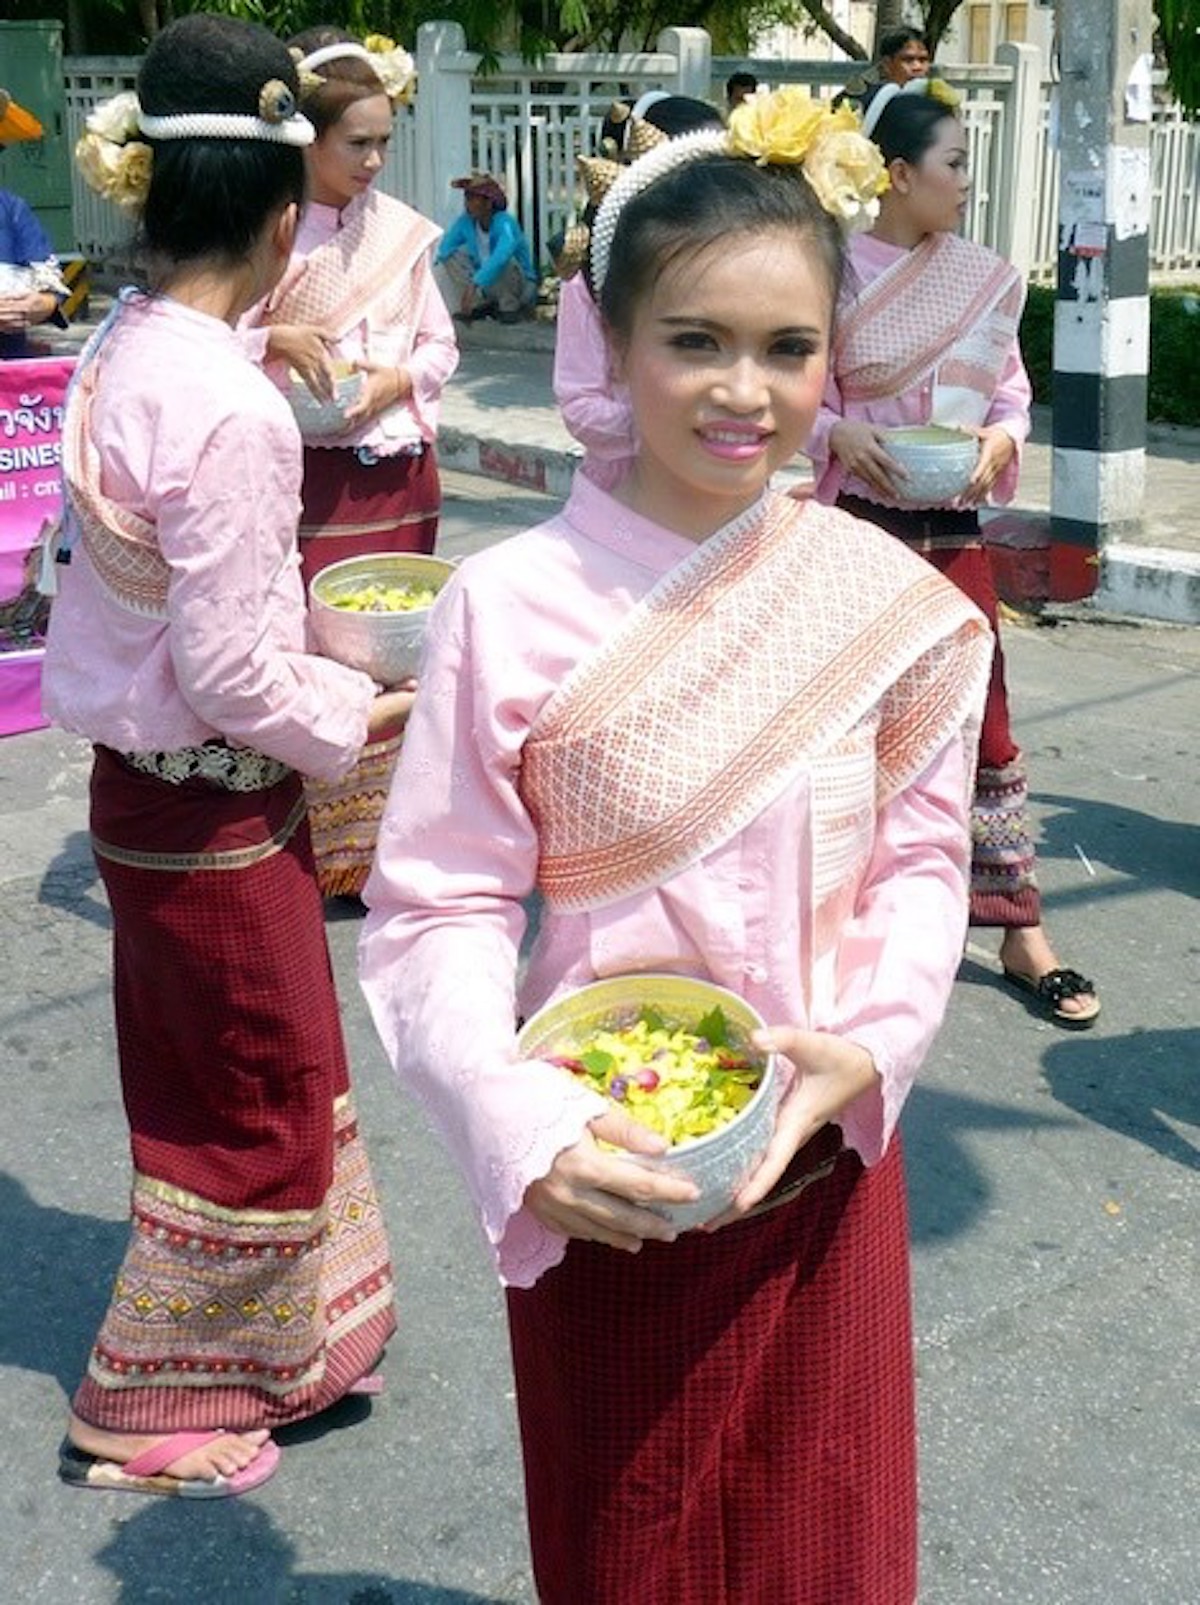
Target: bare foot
{"x":1026,"y":949}
{"x":223,"y":1457}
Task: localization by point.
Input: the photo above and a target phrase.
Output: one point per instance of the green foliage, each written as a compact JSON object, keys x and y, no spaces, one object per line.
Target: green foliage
{"x":1174,"y":389}
{"x":1179,"y":30}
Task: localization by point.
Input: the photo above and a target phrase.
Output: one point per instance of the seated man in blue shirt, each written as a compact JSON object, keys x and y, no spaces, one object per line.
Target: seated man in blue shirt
{"x":485,"y":255}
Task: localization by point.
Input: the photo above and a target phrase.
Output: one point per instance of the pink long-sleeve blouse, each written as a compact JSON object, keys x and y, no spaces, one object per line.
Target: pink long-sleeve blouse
{"x":195,"y":439}
{"x":439,"y":950}
{"x":867,"y":258}
{"x":594,"y":405}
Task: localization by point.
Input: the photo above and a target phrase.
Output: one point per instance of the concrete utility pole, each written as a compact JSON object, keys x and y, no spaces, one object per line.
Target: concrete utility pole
{"x":1102,"y":312}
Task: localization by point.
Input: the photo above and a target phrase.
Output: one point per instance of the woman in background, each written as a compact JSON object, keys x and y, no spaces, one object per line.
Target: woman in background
{"x":359,"y":297}
{"x":927,"y":332}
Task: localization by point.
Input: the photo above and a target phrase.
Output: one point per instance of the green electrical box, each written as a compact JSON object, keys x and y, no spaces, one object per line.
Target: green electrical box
{"x":39,"y":170}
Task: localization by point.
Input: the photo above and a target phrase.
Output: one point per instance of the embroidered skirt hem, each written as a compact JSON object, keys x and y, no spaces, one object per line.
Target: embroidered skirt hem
{"x":257,"y":1285}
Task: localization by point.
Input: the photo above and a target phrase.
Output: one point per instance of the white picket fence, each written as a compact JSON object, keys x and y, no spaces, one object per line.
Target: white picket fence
{"x":526,"y":123}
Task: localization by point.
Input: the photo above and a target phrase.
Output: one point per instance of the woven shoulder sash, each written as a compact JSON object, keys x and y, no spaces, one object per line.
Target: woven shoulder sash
{"x":765,"y":648}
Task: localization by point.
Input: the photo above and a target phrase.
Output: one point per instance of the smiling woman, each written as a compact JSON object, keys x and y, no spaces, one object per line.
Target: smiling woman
{"x":725,"y":735}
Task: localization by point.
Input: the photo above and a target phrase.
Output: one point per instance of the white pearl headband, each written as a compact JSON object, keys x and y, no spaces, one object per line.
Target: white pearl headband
{"x":335,"y":52}
{"x":633,"y":180}
{"x":294,"y":130}
{"x":883,"y":97}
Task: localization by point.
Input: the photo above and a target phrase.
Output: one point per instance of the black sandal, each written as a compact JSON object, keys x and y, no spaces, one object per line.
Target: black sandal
{"x":1052,"y":989}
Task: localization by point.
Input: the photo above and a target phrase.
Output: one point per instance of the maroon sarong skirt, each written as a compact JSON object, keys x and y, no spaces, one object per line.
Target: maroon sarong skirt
{"x":1004,"y":888}
{"x":728,"y":1419}
{"x":350,"y":510}
{"x":256,"y":1286}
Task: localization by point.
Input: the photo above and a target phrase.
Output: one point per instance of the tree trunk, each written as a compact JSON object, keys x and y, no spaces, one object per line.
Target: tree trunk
{"x":889,"y":14}
{"x":829,"y":26}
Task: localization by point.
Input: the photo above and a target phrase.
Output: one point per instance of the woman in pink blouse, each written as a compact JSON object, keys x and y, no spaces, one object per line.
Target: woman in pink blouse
{"x":726,"y":736}
{"x":927,"y":332}
{"x":252,"y":1293}
{"x":359,"y":295}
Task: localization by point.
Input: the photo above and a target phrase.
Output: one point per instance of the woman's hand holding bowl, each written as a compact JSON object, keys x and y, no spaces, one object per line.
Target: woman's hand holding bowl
{"x":860,"y":449}
{"x":996,"y":450}
{"x":600,"y":1196}
{"x":830,"y":1073}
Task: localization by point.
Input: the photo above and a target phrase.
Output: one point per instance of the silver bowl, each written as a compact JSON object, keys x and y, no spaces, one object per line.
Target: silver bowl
{"x":387,"y":646}
{"x":320,"y":419}
{"x":939,"y":462}
{"x":719,"y":1162}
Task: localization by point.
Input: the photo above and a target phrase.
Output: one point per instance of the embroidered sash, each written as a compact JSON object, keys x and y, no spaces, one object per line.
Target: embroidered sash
{"x":792,"y":638}
{"x":122,"y":547}
{"x":947,"y":307}
{"x":376,"y":267}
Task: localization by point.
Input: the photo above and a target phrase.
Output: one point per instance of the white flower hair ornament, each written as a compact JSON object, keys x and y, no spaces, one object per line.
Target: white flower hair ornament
{"x":780,"y":128}
{"x":117,"y":165}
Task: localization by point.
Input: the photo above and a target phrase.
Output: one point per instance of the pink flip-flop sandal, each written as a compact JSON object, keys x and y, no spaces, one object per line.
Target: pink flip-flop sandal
{"x":144,"y":1473}
{"x":370,"y":1386}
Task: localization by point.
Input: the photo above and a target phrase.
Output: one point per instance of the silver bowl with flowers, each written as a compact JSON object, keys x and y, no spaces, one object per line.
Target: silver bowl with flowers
{"x":676,"y":1054}
{"x":371,"y":612}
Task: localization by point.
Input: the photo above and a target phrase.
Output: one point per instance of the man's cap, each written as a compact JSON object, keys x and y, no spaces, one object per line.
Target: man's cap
{"x":482,"y":184}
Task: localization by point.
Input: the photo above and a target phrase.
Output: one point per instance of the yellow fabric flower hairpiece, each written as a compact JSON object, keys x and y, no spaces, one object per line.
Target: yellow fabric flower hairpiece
{"x":787,"y":127}
{"x":941,"y":91}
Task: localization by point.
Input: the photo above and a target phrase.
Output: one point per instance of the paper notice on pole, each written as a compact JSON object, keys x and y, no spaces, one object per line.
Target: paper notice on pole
{"x":1081,"y":199}
{"x":1088,"y":239}
{"x":1081,"y":225}
{"x":1129,"y":176}
{"x":1139,"y":91}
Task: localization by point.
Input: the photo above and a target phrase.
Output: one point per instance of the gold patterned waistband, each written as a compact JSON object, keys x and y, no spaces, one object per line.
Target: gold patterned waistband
{"x":231,"y":768}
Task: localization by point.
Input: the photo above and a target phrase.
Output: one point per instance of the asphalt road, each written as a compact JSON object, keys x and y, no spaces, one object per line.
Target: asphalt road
{"x":1055,"y":1184}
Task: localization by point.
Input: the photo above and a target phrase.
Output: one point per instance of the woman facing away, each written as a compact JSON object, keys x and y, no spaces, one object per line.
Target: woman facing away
{"x":594,"y":405}
{"x":360,"y":294}
{"x":726,"y":736}
{"x":256,"y":1288}
{"x":926,"y":331}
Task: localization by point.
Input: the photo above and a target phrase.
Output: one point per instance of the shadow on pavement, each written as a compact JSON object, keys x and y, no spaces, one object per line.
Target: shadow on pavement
{"x":1140,"y":1085}
{"x":947,"y":1187}
{"x":56,"y":1282}
{"x":71,"y":882}
{"x":229,"y":1552}
{"x":1152,"y":853}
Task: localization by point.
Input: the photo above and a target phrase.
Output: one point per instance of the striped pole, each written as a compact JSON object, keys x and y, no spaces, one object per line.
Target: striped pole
{"x":1102,"y":309}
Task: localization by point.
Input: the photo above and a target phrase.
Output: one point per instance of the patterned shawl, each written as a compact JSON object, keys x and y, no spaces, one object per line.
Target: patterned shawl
{"x":792,"y":639}
{"x":122,"y":546}
{"x":375,"y":268}
{"x":948,"y":308}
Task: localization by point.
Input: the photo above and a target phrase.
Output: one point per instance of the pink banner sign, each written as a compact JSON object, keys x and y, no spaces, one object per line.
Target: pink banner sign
{"x":32,"y":393}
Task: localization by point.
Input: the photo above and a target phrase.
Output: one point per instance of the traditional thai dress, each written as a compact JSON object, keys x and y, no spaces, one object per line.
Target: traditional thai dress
{"x":364,"y":275}
{"x":256,"y":1286}
{"x":930,"y":335}
{"x":746,"y":760}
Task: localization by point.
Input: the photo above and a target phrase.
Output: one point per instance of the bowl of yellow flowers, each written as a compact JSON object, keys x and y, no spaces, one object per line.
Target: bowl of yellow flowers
{"x":676,"y":1054}
{"x":371,"y":612}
